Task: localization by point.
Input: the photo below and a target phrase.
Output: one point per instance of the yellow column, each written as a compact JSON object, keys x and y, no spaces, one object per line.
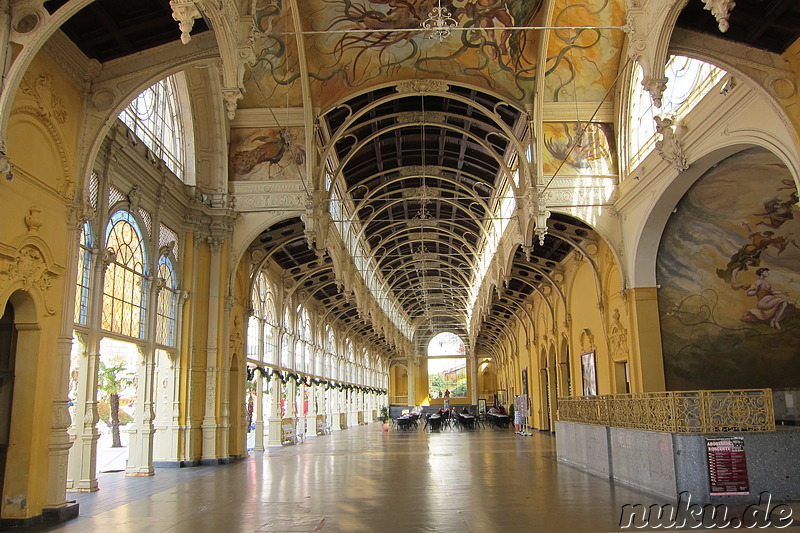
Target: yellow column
{"x":647,"y":361}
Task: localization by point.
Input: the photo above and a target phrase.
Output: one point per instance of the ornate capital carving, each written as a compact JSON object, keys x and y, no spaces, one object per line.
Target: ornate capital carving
{"x":669,"y":147}
{"x":59,"y":415}
{"x":721,"y":9}
{"x":215,"y":243}
{"x":422,"y":86}
{"x":29,"y":267}
{"x":106,"y":256}
{"x":184,"y":12}
{"x":656,"y":87}
{"x":134,"y":198}
{"x":232,"y":95}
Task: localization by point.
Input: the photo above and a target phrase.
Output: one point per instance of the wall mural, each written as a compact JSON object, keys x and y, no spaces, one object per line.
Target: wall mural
{"x":587,"y":59}
{"x":259,"y":154}
{"x":584,"y":152}
{"x":729,"y":270}
{"x":378,"y":50}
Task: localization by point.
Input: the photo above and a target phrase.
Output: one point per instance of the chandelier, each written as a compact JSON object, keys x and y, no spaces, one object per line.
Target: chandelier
{"x":440,"y":21}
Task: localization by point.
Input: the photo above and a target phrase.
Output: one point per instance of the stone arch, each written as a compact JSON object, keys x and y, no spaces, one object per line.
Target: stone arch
{"x":25,"y":403}
{"x":645,"y":247}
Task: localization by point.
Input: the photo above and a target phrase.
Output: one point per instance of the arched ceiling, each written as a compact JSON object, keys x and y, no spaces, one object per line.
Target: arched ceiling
{"x":422,"y":172}
{"x":419,"y":134}
{"x":310,"y":280}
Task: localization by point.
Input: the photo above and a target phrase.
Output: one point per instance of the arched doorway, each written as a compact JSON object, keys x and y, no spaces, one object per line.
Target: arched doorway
{"x":8,"y":353}
{"x":552,"y":390}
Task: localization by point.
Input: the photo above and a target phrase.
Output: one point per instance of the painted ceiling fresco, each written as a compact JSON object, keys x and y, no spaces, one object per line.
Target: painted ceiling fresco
{"x":578,"y":149}
{"x":274,"y":79}
{"x":493,"y":58}
{"x":729,"y":270}
{"x":582,"y":64}
{"x":353,"y":45}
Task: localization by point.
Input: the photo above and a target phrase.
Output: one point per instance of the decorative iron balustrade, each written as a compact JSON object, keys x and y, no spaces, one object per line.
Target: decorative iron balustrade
{"x":708,"y":411}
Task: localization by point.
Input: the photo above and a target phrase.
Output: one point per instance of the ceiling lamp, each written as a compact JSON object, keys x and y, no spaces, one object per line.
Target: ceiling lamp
{"x":440,"y":21}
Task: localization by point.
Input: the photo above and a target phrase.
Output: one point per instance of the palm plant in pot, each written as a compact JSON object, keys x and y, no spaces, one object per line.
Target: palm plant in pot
{"x":385,"y":417}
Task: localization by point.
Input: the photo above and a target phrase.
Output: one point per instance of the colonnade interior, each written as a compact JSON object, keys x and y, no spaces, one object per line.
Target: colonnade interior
{"x":218,"y":217}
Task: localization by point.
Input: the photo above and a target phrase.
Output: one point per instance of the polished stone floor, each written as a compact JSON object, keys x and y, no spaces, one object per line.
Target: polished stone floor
{"x":365,"y":480}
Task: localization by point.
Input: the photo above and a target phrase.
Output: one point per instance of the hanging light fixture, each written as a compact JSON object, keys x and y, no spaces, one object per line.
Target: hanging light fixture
{"x":440,"y":21}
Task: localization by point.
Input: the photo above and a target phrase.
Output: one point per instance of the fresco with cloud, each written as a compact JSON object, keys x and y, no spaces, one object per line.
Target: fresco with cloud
{"x":729,"y":270}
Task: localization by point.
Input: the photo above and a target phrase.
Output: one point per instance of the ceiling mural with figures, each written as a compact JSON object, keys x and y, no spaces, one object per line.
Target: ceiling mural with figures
{"x":352,"y":45}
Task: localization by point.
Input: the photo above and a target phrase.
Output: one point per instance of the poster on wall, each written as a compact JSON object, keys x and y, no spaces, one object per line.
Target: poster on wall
{"x":727,"y":466}
{"x":589,"y":374}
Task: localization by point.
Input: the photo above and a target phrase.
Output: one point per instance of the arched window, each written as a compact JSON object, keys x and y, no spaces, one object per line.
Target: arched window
{"x":155,"y":117}
{"x":330,"y":350}
{"x":270,"y":326}
{"x":254,"y":323}
{"x":124,"y":284}
{"x":447,"y":366}
{"x":167,"y":303}
{"x":84,"y":275}
{"x":689,"y":81}
{"x":303,"y":356}
{"x":286,"y":352}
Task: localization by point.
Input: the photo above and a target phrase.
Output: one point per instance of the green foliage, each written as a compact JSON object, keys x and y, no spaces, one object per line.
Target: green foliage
{"x":460,"y":390}
{"x":114,"y":378}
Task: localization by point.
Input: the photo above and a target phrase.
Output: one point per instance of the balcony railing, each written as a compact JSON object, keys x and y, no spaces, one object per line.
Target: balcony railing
{"x":398,"y":400}
{"x":709,"y":411}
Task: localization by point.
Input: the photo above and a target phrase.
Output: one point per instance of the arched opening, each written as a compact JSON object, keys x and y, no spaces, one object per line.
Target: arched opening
{"x":564,"y":373}
{"x":8,"y":356}
{"x":399,"y":385}
{"x":19,"y":334}
{"x":487,"y":381}
{"x":447,"y":367}
{"x":552,"y":389}
{"x":544,"y":389}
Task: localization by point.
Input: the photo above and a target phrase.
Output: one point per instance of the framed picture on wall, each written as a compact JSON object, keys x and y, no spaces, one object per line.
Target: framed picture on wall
{"x":525,"y":380}
{"x":589,"y":374}
{"x":482,"y":406}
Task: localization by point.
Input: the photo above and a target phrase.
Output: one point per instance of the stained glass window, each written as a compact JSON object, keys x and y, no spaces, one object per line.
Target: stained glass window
{"x":154,"y":116}
{"x":84,"y":275}
{"x":124,"y":284}
{"x":167,"y":303}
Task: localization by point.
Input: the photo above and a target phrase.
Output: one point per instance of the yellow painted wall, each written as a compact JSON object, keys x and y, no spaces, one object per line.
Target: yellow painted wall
{"x":34,"y":246}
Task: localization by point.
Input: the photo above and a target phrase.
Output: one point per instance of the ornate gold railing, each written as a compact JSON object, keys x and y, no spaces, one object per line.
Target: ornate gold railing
{"x":708,"y":411}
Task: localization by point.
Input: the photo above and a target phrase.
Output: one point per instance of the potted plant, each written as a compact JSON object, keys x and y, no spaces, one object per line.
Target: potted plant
{"x":385,"y":417}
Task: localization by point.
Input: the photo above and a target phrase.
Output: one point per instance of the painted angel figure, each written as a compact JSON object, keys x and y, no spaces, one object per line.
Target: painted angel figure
{"x":772,"y":306}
